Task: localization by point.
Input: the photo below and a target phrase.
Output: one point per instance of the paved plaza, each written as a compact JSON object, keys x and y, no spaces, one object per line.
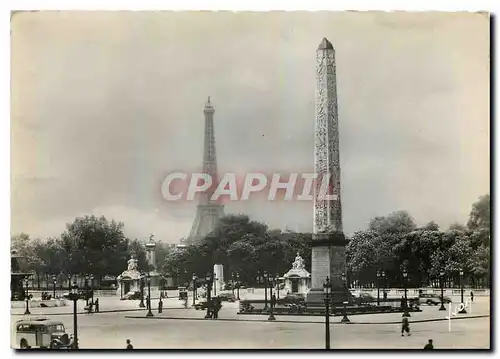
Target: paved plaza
{"x":181,"y":328}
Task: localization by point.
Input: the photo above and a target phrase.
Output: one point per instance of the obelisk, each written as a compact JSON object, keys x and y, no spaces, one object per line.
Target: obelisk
{"x":328,"y":244}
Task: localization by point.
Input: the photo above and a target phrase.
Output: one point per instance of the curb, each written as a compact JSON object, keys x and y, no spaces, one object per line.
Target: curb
{"x":101,"y":311}
{"x":301,"y":322}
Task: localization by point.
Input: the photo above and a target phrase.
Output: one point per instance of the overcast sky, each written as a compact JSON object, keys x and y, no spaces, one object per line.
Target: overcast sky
{"x":104,"y":104}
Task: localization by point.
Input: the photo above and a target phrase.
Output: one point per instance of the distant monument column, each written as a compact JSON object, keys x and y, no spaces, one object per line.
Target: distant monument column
{"x":328,"y":251}
{"x":151,"y":259}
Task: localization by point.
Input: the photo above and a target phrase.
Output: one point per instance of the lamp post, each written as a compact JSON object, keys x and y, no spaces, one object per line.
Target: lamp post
{"x":209,"y":280}
{"x":327,"y":287}
{"x":462,"y":311}
{"x":232,"y":283}
{"x":405,"y":313}
{"x":141,"y":303}
{"x":277,"y":286}
{"x":238,"y":287}
{"x":69,"y":283}
{"x":271,"y":314}
{"x":86,"y":290}
{"x":214,"y":281}
{"x":148,"y":280}
{"x":74,"y":297}
{"x":378,"y":287}
{"x":92,"y":288}
{"x":54,"y":282}
{"x":384,"y":283}
{"x":194,"y":289}
{"x":345,"y":319}
{"x":265,"y":290}
{"x":27,"y":311}
{"x":441,"y":282}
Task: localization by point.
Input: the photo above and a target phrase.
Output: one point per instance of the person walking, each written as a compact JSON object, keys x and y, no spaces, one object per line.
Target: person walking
{"x":429,"y":345}
{"x":217,"y":306}
{"x":471,"y":296}
{"x":129,"y":345}
{"x":405,"y":327}
{"x":160,"y":306}
{"x":96,"y":305}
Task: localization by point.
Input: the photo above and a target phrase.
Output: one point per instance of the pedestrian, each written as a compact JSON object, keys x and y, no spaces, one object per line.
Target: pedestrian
{"x":385,"y":295}
{"x":96,"y":304}
{"x":129,"y":345}
{"x":403,"y":302}
{"x":471,"y":296}
{"x":160,"y":306}
{"x":217,"y":306}
{"x":429,"y":345}
{"x":405,"y":326}
{"x":273,"y":300}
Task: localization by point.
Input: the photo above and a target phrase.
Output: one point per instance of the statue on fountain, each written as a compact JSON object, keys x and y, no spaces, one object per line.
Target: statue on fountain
{"x":298,"y":263}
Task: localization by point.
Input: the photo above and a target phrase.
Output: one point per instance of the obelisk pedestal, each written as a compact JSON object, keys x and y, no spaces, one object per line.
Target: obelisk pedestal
{"x":328,"y":242}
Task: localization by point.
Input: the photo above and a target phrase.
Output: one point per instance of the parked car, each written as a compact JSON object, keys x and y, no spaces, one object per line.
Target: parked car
{"x":183,"y":293}
{"x":42,"y":333}
{"x":227,"y":297}
{"x":131,"y":296}
{"x":82,"y":294}
{"x":433,"y":299}
{"x":364,"y":298}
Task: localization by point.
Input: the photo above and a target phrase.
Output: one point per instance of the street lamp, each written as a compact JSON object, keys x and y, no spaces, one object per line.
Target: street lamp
{"x":277,"y":279}
{"x":327,"y":288}
{"x":238,"y":288}
{"x":73,"y":295}
{"x":384,"y":283}
{"x":141,"y":287}
{"x":378,"y":287}
{"x":92,"y":288}
{"x":462,"y":311}
{"x":441,"y":280}
{"x":194,"y":289}
{"x":265,"y":290}
{"x":209,"y":280}
{"x":214,"y":280}
{"x":54,"y":281}
{"x":232,"y":283}
{"x":69,"y":283}
{"x":406,"y":313}
{"x":148,"y":280}
{"x":345,"y":319}
{"x":271,"y":314}
{"x":27,"y":311}
{"x":86,"y":289}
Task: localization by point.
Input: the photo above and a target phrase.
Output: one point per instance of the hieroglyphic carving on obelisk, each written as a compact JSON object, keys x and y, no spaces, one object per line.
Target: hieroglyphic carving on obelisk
{"x":328,"y":245}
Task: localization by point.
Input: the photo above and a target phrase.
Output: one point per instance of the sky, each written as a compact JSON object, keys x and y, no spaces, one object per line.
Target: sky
{"x":104,"y":104}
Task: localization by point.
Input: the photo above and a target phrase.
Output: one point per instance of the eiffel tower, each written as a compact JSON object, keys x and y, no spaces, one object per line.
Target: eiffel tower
{"x":208,"y":212}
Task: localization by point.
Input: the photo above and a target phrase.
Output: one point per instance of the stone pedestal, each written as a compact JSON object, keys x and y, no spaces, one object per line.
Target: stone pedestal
{"x":328,"y":260}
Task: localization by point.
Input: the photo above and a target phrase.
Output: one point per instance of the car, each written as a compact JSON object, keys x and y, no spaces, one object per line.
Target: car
{"x":42,"y":333}
{"x":363,"y":298}
{"x":433,"y":299}
{"x":131,"y":296}
{"x":82,"y":294}
{"x":227,"y":297}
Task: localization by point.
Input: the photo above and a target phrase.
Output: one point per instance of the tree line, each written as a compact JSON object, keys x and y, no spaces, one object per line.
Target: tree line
{"x":391,"y":243}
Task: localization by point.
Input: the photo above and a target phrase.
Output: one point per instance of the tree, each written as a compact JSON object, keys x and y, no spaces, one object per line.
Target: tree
{"x":396,"y":222}
{"x":95,"y":246}
{"x":480,"y":215}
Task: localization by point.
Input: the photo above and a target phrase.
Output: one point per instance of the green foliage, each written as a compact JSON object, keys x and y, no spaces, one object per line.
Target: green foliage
{"x":480,"y":216}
